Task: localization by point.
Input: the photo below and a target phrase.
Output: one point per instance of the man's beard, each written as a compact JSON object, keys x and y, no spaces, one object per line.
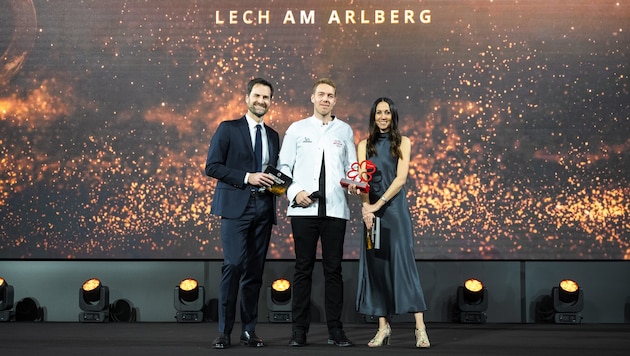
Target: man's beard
{"x":255,"y":110}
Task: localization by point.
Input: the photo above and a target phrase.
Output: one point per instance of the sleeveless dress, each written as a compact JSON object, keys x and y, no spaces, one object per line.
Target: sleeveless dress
{"x":388,"y":281}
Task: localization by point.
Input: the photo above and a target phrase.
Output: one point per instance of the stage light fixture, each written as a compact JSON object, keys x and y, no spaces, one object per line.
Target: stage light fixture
{"x":28,"y":309}
{"x":189,"y":301}
{"x":211,"y":310}
{"x":6,"y":300}
{"x":94,"y":302}
{"x":279,"y":299}
{"x":472,"y":302}
{"x":568,"y":302}
{"x":121,"y":310}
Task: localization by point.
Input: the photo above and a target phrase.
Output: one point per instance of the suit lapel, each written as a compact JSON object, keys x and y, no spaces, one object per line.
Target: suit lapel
{"x":272,"y":149}
{"x":247,"y":139}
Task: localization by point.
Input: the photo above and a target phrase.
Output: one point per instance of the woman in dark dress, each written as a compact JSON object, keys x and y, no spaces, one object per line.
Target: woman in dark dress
{"x":388,"y":277}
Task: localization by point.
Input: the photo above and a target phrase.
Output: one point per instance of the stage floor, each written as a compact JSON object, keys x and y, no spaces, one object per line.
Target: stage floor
{"x":156,"y":339}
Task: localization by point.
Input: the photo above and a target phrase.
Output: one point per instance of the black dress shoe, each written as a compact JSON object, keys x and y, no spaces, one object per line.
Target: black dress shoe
{"x":338,"y":337}
{"x":298,"y":338}
{"x":222,"y":342}
{"x":249,"y":338}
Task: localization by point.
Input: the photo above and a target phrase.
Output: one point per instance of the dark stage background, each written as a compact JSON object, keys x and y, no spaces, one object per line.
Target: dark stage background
{"x":518,"y":111}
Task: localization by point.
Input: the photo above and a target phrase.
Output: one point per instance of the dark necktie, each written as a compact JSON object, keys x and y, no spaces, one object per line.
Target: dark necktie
{"x":258,"y":148}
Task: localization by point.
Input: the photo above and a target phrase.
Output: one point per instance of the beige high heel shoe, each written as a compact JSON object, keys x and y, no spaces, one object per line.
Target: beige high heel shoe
{"x":422,"y":339}
{"x":381,"y":338}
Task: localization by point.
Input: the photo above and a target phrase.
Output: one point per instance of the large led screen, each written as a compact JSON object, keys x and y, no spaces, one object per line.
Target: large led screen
{"x":518,"y":113}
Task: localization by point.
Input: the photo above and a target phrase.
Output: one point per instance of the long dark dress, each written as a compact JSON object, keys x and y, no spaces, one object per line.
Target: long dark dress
{"x":388,"y":277}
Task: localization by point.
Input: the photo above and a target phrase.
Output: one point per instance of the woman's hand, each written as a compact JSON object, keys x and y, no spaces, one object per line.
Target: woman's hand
{"x":368,"y":220}
{"x":369,"y":208}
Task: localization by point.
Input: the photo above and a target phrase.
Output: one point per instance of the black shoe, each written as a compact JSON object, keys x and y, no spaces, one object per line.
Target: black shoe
{"x":249,"y":338}
{"x":222,"y":342}
{"x":338,"y":337}
{"x":298,"y":338}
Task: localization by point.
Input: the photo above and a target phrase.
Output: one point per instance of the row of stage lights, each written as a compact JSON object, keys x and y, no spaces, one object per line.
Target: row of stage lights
{"x":563,"y":306}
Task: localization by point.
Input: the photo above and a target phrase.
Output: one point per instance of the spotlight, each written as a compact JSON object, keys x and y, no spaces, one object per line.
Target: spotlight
{"x":94,"y":302}
{"x":568,"y":302}
{"x":279,"y":298}
{"x":28,"y":309}
{"x":472,"y":302}
{"x":6,"y":300}
{"x":189,"y":301}
{"x":122,"y":310}
{"x":211,"y":309}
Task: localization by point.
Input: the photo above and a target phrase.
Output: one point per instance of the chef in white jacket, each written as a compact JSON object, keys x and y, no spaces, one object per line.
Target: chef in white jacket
{"x":317,"y":152}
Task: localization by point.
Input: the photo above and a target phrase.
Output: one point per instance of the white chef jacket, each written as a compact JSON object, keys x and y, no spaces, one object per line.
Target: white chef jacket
{"x":301,"y":158}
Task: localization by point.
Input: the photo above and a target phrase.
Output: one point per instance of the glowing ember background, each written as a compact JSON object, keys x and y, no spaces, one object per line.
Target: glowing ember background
{"x":519,"y":114}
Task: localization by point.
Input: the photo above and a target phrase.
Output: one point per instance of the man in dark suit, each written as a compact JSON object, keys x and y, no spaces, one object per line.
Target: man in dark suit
{"x":239,"y":152}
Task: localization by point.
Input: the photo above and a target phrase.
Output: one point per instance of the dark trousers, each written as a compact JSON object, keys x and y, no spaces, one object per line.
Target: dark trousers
{"x":306,"y":233}
{"x":245,"y":243}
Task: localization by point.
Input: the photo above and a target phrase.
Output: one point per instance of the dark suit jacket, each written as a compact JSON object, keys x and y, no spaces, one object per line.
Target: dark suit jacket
{"x":231,"y":156}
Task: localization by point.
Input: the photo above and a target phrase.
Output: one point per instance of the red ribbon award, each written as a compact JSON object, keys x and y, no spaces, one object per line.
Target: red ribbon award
{"x":363,"y":171}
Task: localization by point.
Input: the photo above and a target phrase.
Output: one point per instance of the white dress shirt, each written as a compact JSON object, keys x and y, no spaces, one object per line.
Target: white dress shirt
{"x":252,"y":134}
{"x":301,"y":157}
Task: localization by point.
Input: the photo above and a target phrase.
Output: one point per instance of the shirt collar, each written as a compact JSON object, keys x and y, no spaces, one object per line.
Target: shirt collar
{"x":319,"y":122}
{"x":252,"y":123}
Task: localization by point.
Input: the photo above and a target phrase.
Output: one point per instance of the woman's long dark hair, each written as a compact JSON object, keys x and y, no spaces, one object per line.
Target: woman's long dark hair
{"x":394,"y":135}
